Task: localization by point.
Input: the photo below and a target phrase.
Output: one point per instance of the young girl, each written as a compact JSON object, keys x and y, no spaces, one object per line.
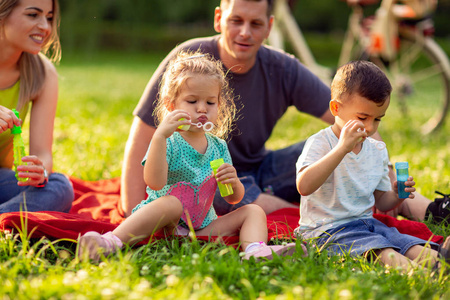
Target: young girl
{"x":29,"y":29}
{"x":177,"y":171}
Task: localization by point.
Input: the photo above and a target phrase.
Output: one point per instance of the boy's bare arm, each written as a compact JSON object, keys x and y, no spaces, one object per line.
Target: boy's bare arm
{"x":385,"y":201}
{"x":313,"y":176}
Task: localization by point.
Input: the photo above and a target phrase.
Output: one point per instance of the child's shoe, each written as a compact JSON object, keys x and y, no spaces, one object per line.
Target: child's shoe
{"x":265,"y":251}
{"x":92,"y":245}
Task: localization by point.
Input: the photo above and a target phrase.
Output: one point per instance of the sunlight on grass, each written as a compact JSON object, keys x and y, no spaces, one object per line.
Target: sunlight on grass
{"x":97,"y":99}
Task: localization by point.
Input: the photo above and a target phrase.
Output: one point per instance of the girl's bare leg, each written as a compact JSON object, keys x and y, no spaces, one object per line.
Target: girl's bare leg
{"x":160,"y":213}
{"x":249,"y":221}
{"x":163,"y":213}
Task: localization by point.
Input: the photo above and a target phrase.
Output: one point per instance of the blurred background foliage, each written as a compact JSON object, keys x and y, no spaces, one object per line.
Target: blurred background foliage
{"x":158,"y":25}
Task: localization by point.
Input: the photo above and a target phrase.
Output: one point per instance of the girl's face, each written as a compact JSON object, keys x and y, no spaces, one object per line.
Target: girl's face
{"x":199,"y":96}
{"x":29,"y":25}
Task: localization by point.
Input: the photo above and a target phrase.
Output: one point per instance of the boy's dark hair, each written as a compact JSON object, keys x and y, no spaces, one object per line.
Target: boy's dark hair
{"x":361,"y":77}
{"x":269,"y":5}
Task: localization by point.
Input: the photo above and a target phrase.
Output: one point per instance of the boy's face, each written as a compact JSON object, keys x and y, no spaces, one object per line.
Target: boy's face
{"x":356,"y":107}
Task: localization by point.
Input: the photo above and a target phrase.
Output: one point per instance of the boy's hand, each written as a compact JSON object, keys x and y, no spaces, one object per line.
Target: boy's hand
{"x":351,"y":134}
{"x":409,"y":187}
{"x":226,"y":174}
{"x":171,"y":123}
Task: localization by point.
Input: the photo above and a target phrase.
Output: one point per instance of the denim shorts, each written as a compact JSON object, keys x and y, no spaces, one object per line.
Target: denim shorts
{"x":359,"y":236}
{"x":275,"y":175}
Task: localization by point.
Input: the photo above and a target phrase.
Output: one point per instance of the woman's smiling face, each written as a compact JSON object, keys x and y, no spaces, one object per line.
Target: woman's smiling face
{"x":29,"y":25}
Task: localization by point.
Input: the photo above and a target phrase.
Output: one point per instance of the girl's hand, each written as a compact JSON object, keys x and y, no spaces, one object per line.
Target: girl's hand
{"x":8,"y":119}
{"x":226,"y":174}
{"x":409,"y":187}
{"x":351,"y":134}
{"x":172,"y":121}
{"x":33,"y":170}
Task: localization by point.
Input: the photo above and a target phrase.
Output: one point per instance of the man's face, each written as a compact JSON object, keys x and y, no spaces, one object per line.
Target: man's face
{"x":244,"y":25}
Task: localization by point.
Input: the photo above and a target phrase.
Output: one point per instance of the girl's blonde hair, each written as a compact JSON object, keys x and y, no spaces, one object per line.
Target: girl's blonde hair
{"x":32,"y":68}
{"x":188,"y":64}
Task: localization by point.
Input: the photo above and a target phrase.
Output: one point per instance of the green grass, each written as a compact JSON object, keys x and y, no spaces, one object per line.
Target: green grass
{"x":97,"y":96}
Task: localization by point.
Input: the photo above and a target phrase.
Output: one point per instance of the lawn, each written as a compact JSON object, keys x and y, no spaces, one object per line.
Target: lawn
{"x":97,"y":96}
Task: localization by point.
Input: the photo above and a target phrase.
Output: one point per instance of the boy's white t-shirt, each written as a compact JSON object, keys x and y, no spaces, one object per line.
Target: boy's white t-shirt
{"x":347,"y":194}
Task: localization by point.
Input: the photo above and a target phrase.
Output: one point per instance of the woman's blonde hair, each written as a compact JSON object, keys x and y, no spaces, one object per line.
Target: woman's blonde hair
{"x":32,"y":68}
{"x":188,"y":64}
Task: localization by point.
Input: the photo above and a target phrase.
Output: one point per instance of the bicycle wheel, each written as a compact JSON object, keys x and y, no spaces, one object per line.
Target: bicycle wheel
{"x":420,"y":77}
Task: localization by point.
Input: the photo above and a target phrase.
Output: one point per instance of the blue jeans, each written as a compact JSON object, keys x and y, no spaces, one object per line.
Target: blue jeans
{"x":275,"y":175}
{"x":359,"y":236}
{"x":57,"y":195}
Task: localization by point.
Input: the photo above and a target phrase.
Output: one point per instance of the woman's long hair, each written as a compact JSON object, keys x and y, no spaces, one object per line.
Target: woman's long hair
{"x":31,"y":66}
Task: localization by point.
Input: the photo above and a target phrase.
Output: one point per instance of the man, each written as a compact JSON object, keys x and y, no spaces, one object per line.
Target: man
{"x":266,"y":82}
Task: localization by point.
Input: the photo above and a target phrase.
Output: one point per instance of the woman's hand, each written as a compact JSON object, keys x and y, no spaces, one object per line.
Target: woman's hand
{"x":34,"y":170}
{"x":8,"y":119}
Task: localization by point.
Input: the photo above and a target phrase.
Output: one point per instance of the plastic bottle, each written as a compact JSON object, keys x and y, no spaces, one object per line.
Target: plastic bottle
{"x":225,"y":189}
{"x":19,"y":147}
{"x":184,"y":127}
{"x":402,"y":176}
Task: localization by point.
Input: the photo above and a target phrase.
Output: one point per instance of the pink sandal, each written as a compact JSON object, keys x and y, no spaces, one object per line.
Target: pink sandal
{"x":93,"y":244}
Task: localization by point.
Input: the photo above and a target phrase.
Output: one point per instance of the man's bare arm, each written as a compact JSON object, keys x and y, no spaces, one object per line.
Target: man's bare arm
{"x":327,"y":117}
{"x":132,"y":190}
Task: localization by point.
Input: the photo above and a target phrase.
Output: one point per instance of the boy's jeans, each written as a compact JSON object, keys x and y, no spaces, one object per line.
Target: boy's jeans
{"x":57,"y":195}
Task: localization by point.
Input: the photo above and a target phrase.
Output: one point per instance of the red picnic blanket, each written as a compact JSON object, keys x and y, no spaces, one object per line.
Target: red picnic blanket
{"x":96,"y":208}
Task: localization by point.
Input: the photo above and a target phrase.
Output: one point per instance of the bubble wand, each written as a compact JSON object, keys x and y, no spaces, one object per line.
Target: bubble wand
{"x":380,"y":145}
{"x":208,"y":126}
{"x":19,"y":147}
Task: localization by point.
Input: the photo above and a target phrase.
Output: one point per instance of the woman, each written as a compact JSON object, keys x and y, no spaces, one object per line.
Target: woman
{"x":28,"y":30}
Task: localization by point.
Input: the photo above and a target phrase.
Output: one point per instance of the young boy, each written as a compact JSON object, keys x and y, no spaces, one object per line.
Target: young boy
{"x":341,"y":175}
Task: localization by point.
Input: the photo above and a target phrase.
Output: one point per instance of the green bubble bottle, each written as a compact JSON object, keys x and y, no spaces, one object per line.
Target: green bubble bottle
{"x":19,"y":147}
{"x":225,"y":189}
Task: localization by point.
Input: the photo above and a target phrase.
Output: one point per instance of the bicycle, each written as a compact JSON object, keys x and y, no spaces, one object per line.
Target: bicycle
{"x":397,"y":38}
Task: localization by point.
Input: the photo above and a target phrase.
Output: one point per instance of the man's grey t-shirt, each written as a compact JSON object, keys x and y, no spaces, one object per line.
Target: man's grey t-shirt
{"x":263,"y":94}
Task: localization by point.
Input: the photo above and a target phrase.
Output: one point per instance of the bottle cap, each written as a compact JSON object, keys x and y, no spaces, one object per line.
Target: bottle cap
{"x":217,"y":163}
{"x":16,"y":129}
{"x":401,"y":165}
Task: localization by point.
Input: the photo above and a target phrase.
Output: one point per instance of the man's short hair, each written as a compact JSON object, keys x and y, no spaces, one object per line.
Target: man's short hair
{"x":269,"y":4}
{"x":361,"y":77}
